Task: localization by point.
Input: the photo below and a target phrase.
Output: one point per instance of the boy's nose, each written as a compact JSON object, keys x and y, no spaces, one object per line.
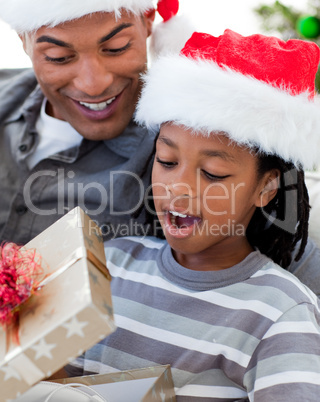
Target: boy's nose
{"x":181,"y":189}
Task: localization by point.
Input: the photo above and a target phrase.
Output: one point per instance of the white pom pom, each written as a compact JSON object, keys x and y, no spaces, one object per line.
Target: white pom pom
{"x":170,"y":37}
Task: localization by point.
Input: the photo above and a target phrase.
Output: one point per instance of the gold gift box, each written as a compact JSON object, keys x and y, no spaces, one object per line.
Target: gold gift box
{"x":151,"y":384}
{"x":70,"y":312}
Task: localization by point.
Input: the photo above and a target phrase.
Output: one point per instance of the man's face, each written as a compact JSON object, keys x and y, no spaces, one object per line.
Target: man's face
{"x":89,"y":69}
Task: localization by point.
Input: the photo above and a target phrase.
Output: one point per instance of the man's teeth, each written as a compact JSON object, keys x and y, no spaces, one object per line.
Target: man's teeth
{"x":174,"y":213}
{"x":97,"y":106}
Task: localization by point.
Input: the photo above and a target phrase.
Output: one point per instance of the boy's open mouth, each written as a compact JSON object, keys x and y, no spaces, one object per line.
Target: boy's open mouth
{"x":182,"y":220}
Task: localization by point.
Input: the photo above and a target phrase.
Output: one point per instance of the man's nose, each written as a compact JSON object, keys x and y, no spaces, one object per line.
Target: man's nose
{"x":92,"y":77}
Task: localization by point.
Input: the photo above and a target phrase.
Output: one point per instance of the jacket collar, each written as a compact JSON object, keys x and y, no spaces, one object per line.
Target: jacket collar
{"x":30,"y":109}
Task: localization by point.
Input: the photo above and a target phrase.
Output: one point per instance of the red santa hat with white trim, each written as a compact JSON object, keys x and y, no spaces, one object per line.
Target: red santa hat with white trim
{"x":30,"y":15}
{"x":259,"y":90}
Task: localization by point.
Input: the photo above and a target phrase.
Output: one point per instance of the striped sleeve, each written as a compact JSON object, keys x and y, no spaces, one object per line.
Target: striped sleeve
{"x":286,"y":364}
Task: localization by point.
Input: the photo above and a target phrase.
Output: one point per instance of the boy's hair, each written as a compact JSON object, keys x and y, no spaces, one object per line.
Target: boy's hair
{"x":277,"y":228}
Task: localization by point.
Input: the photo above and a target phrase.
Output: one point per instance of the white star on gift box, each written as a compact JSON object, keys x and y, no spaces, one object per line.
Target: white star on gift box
{"x":74,"y":327}
{"x":73,"y":222}
{"x":43,"y":349}
{"x":10,"y":372}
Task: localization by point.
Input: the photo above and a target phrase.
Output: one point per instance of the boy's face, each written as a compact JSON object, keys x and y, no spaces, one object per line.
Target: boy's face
{"x":205,"y":192}
{"x":89,"y":69}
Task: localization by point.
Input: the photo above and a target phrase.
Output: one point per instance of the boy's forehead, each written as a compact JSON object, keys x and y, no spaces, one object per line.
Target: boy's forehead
{"x":216,"y":143}
{"x":201,"y":132}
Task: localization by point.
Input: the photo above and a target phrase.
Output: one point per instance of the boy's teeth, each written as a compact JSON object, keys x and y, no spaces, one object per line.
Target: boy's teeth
{"x":97,"y":106}
{"x":174,"y":213}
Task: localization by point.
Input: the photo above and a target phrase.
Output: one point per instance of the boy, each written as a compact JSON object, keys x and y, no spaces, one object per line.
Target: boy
{"x":229,"y":191}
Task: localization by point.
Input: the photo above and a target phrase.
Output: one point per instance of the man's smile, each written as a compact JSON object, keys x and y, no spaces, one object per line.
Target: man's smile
{"x":98,"y":106}
{"x":98,"y":110}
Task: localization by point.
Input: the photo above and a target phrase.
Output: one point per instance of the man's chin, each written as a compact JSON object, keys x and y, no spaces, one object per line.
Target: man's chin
{"x":101,"y":135}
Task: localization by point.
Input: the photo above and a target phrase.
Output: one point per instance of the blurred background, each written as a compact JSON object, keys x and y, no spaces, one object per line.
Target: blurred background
{"x":283,"y":19}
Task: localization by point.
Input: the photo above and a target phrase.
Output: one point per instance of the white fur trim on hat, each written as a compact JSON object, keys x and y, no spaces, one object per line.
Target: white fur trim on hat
{"x":200,"y":95}
{"x":170,"y":36}
{"x":30,"y":15}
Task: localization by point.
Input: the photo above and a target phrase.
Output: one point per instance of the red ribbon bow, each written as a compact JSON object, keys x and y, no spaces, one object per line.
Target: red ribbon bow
{"x":20,"y":271}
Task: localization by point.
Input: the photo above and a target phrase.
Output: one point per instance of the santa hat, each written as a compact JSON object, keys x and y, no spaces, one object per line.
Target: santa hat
{"x":259,"y":90}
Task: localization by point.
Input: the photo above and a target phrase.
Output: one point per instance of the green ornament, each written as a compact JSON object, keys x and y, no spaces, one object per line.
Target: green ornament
{"x":309,"y":26}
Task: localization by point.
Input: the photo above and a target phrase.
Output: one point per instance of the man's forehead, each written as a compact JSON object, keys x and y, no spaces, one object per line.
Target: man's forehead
{"x":107,"y":20}
{"x":102,"y":28}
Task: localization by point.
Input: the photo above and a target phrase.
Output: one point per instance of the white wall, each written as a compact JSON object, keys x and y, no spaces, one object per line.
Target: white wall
{"x":11,"y":51}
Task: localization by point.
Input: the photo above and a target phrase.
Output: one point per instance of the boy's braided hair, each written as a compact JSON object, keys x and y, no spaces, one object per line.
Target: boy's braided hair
{"x":277,"y":228}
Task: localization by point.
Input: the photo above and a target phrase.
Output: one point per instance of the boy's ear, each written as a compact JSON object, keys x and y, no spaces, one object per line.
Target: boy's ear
{"x":149,"y":17}
{"x":270,"y":184}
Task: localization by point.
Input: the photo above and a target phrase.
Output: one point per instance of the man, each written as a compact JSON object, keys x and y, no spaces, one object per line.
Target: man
{"x":66,"y":132}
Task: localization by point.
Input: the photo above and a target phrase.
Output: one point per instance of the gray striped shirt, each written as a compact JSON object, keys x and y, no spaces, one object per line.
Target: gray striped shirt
{"x":249,"y":331}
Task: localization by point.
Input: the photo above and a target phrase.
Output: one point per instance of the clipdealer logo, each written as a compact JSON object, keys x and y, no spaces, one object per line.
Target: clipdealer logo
{"x":71,"y":193}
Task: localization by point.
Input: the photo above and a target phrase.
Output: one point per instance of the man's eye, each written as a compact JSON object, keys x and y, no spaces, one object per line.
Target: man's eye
{"x":57,"y":60}
{"x":118,"y":50}
{"x":166,"y":164}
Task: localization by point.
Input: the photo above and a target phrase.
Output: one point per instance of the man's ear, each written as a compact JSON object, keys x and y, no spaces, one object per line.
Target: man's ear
{"x":24,"y":41}
{"x":270,"y":184}
{"x":149,"y":17}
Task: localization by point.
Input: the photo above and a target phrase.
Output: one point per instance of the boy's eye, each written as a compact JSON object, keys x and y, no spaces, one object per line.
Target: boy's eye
{"x":214,"y":177}
{"x":166,"y":164}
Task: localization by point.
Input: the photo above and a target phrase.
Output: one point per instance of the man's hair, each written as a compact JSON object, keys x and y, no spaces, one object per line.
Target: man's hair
{"x":277,"y":228}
